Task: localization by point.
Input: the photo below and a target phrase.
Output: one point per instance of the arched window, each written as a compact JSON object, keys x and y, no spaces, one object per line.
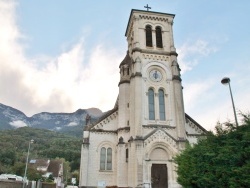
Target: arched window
{"x":151,"y":104}
{"x":161,"y":105}
{"x":149,"y":42}
{"x":158,"y":37}
{"x":106,"y":159}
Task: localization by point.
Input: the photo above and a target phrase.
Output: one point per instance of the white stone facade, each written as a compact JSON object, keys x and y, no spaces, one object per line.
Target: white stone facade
{"x":148,"y":125}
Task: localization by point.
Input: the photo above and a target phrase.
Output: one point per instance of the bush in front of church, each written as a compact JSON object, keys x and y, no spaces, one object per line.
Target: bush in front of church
{"x":221,"y":160}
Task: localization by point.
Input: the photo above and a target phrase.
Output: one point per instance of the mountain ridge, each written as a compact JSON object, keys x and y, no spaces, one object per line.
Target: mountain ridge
{"x":11,"y":118}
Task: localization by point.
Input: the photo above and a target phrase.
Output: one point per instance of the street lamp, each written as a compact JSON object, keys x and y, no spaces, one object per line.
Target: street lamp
{"x":25,"y":172}
{"x":226,"y":81}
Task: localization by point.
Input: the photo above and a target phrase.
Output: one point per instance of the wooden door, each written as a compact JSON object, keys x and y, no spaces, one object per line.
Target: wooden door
{"x":159,"y":176}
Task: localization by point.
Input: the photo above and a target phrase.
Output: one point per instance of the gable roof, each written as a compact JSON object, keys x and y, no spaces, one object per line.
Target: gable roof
{"x":55,"y":167}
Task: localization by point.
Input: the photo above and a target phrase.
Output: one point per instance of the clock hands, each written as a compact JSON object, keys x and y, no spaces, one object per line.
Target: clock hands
{"x":155,"y":75}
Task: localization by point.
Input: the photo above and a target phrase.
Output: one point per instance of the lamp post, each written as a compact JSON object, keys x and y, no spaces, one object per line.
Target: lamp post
{"x":27,"y":159}
{"x":226,"y":81}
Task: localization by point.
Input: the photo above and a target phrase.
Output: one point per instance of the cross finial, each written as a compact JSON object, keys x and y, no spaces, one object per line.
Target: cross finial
{"x":147,"y":7}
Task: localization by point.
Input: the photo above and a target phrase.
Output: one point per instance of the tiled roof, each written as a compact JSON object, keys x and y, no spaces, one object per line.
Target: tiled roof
{"x":54,"y":167}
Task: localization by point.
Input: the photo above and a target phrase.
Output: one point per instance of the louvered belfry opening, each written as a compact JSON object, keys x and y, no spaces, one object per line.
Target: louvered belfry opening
{"x":149,"y":42}
{"x":158,"y":37}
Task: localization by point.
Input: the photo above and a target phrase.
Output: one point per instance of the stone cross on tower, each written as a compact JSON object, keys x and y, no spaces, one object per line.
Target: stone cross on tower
{"x":147,"y":7}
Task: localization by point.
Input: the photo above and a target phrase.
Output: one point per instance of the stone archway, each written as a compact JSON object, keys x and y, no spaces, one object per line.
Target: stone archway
{"x":159,"y":171}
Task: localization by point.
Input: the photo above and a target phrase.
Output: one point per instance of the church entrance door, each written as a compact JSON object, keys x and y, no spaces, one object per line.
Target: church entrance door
{"x":159,"y":176}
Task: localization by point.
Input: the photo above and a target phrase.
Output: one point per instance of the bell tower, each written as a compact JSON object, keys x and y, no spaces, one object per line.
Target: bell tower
{"x":155,"y":83}
{"x":150,"y":84}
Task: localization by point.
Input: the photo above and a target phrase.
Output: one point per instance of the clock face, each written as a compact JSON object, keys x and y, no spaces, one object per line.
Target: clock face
{"x":155,"y":75}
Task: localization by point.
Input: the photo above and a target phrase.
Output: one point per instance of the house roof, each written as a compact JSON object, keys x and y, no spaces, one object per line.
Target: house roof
{"x":40,"y":162}
{"x":54,"y":167}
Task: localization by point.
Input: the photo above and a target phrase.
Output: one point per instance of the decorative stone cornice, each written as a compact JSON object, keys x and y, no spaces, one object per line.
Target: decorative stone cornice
{"x":123,"y":81}
{"x":155,"y":18}
{"x":139,"y":138}
{"x":175,"y":77}
{"x":156,"y":57}
{"x":136,"y":49}
{"x":123,"y":128}
{"x":104,"y":131}
{"x":160,"y":135}
{"x":173,"y":53}
{"x":137,"y":74}
{"x":149,"y":51}
{"x":158,"y":126}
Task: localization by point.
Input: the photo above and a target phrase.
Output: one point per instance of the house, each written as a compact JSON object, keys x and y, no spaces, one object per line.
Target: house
{"x":49,"y":167}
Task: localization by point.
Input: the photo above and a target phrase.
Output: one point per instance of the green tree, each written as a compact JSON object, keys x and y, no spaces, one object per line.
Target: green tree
{"x":33,"y":174}
{"x":48,"y":145}
{"x":221,"y":160}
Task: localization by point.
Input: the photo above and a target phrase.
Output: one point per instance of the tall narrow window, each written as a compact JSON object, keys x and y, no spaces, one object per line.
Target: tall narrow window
{"x":158,"y":37}
{"x":151,"y":104}
{"x":127,"y":155}
{"x":103,"y":159}
{"x":109,"y":159}
{"x":161,"y":105}
{"x":106,"y":159}
{"x":149,"y":42}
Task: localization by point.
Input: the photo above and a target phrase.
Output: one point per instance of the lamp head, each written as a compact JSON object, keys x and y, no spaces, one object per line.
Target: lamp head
{"x":225,"y":80}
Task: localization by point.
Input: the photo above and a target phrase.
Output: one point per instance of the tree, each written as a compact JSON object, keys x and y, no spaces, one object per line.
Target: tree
{"x":48,"y":145}
{"x":221,"y":160}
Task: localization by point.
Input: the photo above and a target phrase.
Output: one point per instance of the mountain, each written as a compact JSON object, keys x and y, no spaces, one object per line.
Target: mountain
{"x":70,"y":123}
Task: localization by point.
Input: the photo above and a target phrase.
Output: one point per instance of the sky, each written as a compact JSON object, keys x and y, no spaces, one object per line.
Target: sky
{"x":60,"y":55}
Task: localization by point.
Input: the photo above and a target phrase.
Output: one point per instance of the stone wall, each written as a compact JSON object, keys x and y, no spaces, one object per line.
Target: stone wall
{"x":11,"y":184}
{"x":18,"y":184}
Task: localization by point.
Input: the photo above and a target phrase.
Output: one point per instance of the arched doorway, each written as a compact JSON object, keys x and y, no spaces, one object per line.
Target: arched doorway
{"x":159,"y":170}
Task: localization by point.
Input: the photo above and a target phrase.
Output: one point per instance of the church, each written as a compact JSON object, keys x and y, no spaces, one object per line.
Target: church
{"x":134,"y":144}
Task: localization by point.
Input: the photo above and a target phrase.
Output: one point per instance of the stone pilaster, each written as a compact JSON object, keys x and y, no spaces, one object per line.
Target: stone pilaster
{"x":122,"y":173}
{"x":83,"y":181}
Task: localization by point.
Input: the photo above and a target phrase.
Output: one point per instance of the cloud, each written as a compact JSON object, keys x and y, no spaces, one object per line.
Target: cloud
{"x":71,"y":124}
{"x":191,"y":53}
{"x":195,"y":91}
{"x":63,"y":83}
{"x":208,"y":101}
{"x":18,"y":124}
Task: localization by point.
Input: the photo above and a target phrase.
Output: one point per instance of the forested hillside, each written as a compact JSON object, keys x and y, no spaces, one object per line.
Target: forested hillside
{"x":47,"y":144}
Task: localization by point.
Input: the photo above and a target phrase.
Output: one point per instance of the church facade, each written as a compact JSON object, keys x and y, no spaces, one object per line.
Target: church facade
{"x":133,"y":145}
